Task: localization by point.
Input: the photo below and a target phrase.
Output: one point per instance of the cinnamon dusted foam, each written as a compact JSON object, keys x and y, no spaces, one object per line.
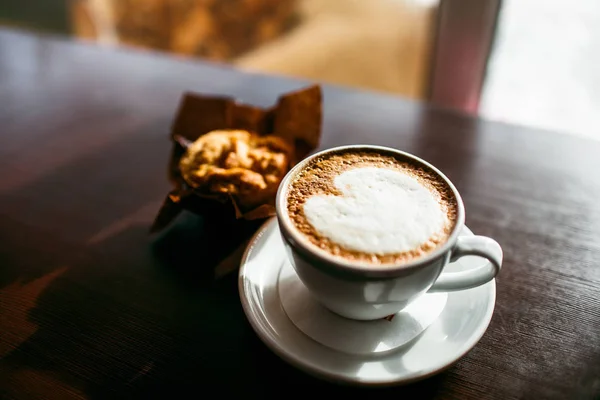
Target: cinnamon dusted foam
{"x":372,"y":207}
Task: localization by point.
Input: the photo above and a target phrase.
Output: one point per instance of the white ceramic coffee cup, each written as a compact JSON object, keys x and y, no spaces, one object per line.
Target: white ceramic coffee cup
{"x":366,"y":292}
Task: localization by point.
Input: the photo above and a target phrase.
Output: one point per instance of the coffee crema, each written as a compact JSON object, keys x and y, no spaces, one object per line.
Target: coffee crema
{"x":370,"y":206}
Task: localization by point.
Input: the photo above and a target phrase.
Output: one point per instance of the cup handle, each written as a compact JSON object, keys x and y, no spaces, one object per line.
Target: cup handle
{"x":471,"y":246}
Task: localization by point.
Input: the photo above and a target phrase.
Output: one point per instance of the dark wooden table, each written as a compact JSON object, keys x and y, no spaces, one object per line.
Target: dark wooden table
{"x":91,"y":306}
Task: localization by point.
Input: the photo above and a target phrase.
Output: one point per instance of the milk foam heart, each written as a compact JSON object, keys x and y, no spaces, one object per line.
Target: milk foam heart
{"x":379,"y":211}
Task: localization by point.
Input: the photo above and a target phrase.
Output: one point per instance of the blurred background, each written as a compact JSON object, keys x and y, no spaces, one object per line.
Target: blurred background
{"x":529,"y":62}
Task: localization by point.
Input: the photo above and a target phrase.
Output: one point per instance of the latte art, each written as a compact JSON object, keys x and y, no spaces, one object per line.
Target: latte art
{"x":371,"y":207}
{"x":380,"y":211}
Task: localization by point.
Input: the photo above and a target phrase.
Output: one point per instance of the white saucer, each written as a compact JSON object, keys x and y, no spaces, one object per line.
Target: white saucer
{"x":303,"y":333}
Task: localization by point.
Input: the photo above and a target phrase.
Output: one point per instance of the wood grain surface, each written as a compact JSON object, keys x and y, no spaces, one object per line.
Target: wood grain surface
{"x":93,"y":307}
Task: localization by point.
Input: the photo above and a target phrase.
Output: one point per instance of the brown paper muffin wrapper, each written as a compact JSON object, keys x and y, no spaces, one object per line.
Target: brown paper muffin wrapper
{"x":296,"y":117}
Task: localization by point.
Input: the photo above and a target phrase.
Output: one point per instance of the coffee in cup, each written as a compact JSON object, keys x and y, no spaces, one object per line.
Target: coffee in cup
{"x":371,"y":207}
{"x":369,"y":229}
